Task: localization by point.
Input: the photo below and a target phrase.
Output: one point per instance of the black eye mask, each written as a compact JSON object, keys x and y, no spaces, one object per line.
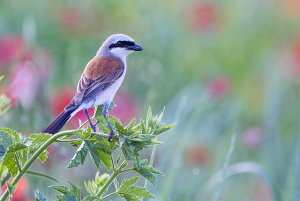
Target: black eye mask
{"x":122,"y":44}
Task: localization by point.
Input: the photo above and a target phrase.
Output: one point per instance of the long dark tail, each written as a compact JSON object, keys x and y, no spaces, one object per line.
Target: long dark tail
{"x":59,"y":121}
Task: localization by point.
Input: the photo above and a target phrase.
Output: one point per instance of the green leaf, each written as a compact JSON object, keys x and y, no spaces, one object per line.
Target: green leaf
{"x":43,"y":156}
{"x":147,"y":171}
{"x":11,"y":163}
{"x":130,"y":192}
{"x":39,"y":196}
{"x":15,"y":136}
{"x":16,"y":147}
{"x":93,"y":187}
{"x":75,"y":190}
{"x":39,"y":138}
{"x":79,"y":157}
{"x":67,"y":194}
{"x":98,"y":153}
{"x":2,"y":151}
{"x":163,"y":129}
{"x":6,"y":139}
{"x":61,"y":189}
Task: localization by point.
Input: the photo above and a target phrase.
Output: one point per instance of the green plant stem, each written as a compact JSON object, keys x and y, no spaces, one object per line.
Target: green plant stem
{"x":109,"y":195}
{"x":34,"y":157}
{"x":115,"y":173}
{"x":150,"y":163}
{"x":39,"y":174}
{"x":107,"y":183}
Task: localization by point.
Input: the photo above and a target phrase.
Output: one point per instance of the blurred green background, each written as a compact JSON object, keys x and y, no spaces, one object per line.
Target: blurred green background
{"x":227,"y":72}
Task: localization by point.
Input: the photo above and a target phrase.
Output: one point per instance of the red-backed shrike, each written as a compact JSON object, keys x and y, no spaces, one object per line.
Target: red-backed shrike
{"x":99,"y":82}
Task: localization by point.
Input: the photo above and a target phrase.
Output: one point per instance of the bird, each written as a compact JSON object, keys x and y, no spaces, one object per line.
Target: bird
{"x":99,"y":82}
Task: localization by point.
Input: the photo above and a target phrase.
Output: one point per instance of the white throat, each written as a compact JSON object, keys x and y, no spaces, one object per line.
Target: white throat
{"x":121,"y":53}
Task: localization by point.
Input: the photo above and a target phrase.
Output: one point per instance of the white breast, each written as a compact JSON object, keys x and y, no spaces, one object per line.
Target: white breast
{"x":105,"y":96}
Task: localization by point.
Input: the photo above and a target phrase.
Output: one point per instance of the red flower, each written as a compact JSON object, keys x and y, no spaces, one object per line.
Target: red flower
{"x":62,"y":98}
{"x":198,"y":155}
{"x":292,"y":7}
{"x":253,"y":137}
{"x":22,"y":191}
{"x":71,"y":19}
{"x":295,"y":71}
{"x":204,"y":16}
{"x":126,"y":107}
{"x":10,"y":48}
{"x":219,"y":86}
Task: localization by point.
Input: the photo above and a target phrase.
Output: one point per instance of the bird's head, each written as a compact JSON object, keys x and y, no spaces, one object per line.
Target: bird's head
{"x":119,"y":45}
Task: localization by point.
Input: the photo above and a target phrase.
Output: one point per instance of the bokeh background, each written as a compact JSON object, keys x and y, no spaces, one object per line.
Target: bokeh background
{"x":227,"y":72}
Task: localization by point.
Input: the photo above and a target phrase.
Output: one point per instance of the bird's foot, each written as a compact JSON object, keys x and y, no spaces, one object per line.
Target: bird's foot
{"x":93,"y":127}
{"x":112,"y":133}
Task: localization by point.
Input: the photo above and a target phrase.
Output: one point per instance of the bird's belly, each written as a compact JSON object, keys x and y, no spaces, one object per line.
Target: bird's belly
{"x":108,"y":94}
{"x":101,"y":97}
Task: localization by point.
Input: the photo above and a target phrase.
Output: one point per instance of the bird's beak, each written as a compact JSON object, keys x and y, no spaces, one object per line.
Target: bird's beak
{"x":135,"y":47}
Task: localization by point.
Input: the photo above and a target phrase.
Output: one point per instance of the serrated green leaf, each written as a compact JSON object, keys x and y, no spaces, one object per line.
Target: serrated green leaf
{"x":129,"y":197}
{"x":79,"y":157}
{"x":39,"y":138}
{"x":61,"y":189}
{"x":6,"y":139}
{"x":75,"y":190}
{"x":131,"y":124}
{"x":39,"y":196}
{"x":11,"y":163}
{"x":147,"y":171}
{"x":126,"y":183}
{"x":16,"y":147}
{"x":162,"y":129}
{"x":15,"y":136}
{"x":130,"y":192}
{"x":67,"y":194}
{"x":98,"y":155}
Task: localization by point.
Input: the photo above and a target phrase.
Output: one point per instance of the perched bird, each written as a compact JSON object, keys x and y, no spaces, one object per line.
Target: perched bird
{"x":100,"y":81}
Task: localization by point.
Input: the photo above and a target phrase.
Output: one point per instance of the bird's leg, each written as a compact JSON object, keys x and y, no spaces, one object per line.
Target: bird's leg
{"x":104,"y":112}
{"x":90,"y":121}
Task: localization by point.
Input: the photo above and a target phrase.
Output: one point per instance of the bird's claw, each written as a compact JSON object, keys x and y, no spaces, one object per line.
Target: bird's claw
{"x":93,"y":127}
{"x":112,"y":133}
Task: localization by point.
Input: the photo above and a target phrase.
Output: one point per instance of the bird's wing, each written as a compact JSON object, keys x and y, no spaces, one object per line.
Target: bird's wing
{"x":98,"y":75}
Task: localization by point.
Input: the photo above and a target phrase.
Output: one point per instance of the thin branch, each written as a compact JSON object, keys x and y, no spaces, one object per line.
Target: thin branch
{"x":18,"y":162}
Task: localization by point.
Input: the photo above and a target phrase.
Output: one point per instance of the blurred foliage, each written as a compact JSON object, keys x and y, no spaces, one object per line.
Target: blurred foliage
{"x":18,"y":153}
{"x":222,"y":69}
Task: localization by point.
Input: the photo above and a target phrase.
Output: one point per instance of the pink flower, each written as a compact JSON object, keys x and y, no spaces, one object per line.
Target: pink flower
{"x":126,"y":107}
{"x":204,"y":16}
{"x":198,"y":155}
{"x":252,"y":137}
{"x":10,"y":48}
{"x":262,"y":191}
{"x":219,"y":86}
{"x":24,"y":85}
